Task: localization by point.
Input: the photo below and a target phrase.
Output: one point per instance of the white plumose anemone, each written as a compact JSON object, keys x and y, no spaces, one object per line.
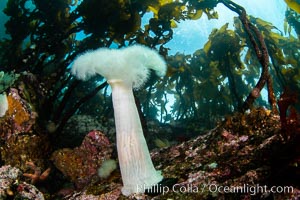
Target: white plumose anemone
{"x":125,"y":69}
{"x":3,"y":104}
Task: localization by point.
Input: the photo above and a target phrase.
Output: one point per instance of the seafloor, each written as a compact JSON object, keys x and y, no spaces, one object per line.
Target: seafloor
{"x":247,"y":156}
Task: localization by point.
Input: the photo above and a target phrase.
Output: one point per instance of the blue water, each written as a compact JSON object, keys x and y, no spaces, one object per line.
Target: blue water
{"x":193,"y":34}
{"x":190,"y":35}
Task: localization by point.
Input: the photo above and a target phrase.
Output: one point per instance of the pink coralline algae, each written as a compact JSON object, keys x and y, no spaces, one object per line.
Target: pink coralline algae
{"x":112,"y":195}
{"x":8,"y":175}
{"x":81,"y":163}
{"x":12,"y":187}
{"x":28,"y":191}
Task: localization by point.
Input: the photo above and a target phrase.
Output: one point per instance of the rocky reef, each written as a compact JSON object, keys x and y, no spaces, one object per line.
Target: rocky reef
{"x":251,"y":155}
{"x":244,"y":157}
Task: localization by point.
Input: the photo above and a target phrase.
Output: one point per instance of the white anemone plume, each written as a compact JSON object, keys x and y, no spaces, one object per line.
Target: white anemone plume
{"x":131,"y":64}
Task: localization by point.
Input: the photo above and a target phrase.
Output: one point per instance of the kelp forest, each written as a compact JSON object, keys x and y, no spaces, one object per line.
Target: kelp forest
{"x":226,"y":75}
{"x":240,"y":78}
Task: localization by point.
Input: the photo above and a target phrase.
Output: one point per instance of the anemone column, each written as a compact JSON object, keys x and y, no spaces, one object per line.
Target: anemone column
{"x":136,"y":166}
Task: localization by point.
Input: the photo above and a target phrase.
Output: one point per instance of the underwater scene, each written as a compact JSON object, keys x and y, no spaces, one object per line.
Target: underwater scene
{"x":149,"y":100}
